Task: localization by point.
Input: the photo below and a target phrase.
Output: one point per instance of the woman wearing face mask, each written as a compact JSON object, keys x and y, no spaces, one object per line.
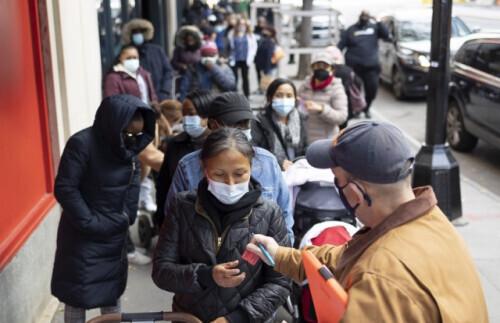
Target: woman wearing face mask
{"x":242,"y":47}
{"x":194,"y":112}
{"x":187,"y":48}
{"x":198,"y":256}
{"x":324,"y":100}
{"x":128,"y":77}
{"x":280,"y":129}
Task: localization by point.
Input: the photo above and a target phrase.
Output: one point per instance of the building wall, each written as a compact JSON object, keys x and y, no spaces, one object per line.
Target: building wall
{"x":76,"y":75}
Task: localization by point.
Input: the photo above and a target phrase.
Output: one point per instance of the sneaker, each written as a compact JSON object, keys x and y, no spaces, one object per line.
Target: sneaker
{"x":146,"y":200}
{"x":138,"y":258}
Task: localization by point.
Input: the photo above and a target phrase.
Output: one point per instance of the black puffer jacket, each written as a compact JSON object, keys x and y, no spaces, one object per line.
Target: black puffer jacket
{"x":265,"y":132}
{"x":97,"y":186}
{"x":188,"y":242}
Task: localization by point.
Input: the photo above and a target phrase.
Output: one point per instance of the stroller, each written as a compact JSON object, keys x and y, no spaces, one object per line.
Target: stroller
{"x":315,"y":198}
{"x":145,"y":317}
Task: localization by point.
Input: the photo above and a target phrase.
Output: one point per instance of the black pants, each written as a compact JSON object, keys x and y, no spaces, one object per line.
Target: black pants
{"x":370,"y":77}
{"x":242,"y":65}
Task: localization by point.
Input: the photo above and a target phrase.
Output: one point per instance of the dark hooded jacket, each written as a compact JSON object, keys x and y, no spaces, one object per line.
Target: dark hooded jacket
{"x":183,"y":55}
{"x":152,"y":58}
{"x":189,"y":245}
{"x":97,"y":186}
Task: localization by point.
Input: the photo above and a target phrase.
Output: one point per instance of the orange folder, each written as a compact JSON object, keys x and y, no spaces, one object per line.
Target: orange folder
{"x":329,"y":298}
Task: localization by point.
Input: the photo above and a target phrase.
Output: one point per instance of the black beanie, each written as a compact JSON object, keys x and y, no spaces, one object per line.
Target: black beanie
{"x":230,"y":108}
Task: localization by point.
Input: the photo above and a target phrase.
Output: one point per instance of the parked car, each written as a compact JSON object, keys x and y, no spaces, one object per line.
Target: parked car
{"x":405,"y":61}
{"x":474,"y":102}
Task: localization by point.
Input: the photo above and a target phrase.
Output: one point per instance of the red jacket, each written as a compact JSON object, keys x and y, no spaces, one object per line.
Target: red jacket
{"x":120,"y":82}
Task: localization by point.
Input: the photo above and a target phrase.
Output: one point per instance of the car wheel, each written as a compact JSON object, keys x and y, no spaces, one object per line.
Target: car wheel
{"x":458,"y":138}
{"x":397,"y":82}
{"x":145,"y":231}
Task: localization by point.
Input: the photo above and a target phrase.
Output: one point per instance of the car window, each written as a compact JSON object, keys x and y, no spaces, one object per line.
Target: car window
{"x":413,"y":30}
{"x":488,"y":59}
{"x":461,"y":28}
{"x":467,"y":53}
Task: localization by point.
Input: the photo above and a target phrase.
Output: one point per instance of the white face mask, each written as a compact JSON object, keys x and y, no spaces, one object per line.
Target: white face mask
{"x":131,"y":65}
{"x":228,"y":194}
{"x":209,"y":60}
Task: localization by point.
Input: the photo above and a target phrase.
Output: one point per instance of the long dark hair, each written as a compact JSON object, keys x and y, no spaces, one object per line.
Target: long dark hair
{"x":201,"y":100}
{"x":226,"y":138}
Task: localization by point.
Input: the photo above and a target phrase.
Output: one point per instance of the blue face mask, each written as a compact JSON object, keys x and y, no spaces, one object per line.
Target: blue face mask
{"x":192,"y":126}
{"x":283,"y":107}
{"x":138,"y":39}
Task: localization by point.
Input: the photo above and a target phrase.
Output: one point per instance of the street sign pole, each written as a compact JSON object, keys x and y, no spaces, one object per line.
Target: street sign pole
{"x":435,"y":164}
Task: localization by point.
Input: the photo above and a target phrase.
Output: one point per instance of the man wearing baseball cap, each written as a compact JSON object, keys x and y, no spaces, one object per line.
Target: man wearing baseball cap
{"x":408,"y":263}
{"x":233,"y":110}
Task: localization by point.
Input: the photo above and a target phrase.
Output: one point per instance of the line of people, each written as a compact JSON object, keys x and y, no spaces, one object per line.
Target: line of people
{"x":218,"y":175}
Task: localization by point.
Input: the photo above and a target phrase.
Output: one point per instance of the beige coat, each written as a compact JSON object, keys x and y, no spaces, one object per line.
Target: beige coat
{"x":334,"y":100}
{"x":419,"y":271}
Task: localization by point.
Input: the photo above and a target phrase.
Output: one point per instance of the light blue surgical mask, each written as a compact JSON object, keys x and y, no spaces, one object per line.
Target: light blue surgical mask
{"x":248,"y":133}
{"x":283,"y":107}
{"x":192,"y":126}
{"x":138,"y":39}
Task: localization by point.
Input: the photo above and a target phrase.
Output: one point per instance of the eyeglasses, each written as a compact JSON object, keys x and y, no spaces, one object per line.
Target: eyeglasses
{"x":132,"y":135}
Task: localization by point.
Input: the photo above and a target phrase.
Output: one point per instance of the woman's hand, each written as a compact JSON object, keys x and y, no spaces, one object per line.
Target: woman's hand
{"x":221,"y":319}
{"x":313,"y":107}
{"x":269,"y":243}
{"x":286,"y":164}
{"x":227,"y":275}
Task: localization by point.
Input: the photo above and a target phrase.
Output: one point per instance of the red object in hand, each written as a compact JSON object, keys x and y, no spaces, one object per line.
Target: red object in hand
{"x":250,"y":257}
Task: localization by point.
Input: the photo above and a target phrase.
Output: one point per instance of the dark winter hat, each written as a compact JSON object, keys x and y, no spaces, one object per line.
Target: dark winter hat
{"x":376,"y":152}
{"x":230,"y":108}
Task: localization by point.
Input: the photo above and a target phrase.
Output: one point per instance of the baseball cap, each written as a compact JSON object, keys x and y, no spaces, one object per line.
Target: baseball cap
{"x":375,"y":152}
{"x":323,"y":56}
{"x":230,"y":108}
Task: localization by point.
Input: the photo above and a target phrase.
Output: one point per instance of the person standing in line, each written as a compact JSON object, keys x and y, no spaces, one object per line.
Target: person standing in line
{"x":200,"y":247}
{"x":97,"y":186}
{"x":323,"y":99}
{"x":264,"y":64}
{"x":152,"y":57}
{"x":243,"y":47}
{"x":281,"y":127}
{"x":195,"y":130}
{"x":360,"y":42}
{"x":188,"y":42}
{"x":128,"y":77}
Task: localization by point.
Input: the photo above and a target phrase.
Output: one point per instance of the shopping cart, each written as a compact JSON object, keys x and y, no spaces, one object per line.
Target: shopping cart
{"x":145,"y":317}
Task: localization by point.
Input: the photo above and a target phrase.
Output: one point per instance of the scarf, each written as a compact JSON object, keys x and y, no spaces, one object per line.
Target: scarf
{"x":224,"y":215}
{"x":290,"y":135}
{"x":322,"y":85}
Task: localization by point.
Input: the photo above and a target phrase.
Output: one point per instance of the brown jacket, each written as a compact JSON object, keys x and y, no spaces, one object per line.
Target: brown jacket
{"x":413,"y":267}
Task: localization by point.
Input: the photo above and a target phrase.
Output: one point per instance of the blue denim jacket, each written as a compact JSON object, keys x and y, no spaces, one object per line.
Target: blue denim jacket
{"x":265,"y":170}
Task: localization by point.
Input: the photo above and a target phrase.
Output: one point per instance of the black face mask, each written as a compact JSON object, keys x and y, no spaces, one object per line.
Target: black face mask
{"x":343,"y":199}
{"x":321,"y":74}
{"x":191,"y":48}
{"x":130,"y":140}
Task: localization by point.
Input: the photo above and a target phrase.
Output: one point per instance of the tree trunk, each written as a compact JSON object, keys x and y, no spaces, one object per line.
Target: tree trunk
{"x":305,"y":40}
